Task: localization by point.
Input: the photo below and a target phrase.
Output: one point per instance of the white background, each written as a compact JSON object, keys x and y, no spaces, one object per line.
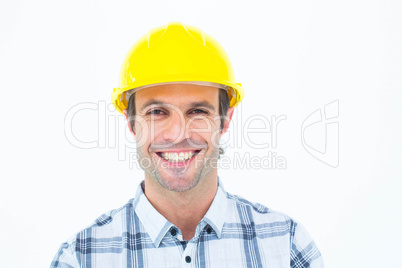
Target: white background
{"x":292,"y":57}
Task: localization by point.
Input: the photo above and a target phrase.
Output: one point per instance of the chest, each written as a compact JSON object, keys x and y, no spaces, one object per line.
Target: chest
{"x":220,"y":253}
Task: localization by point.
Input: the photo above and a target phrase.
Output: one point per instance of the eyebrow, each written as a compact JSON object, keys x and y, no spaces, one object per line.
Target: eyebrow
{"x":196,"y":104}
{"x":151,"y":102}
{"x":202,"y":104}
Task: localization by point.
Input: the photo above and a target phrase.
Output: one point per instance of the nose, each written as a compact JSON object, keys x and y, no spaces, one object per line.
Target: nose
{"x":175,"y":127}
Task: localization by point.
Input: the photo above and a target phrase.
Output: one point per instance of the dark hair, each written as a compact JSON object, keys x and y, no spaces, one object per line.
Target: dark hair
{"x":224,"y":104}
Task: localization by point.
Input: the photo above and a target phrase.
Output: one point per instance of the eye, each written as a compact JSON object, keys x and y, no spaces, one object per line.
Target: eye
{"x":155,"y":112}
{"x":198,"y":111}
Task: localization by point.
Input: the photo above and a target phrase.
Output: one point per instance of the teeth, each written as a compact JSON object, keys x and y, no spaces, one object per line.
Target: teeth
{"x":181,"y":157}
{"x":175,"y":157}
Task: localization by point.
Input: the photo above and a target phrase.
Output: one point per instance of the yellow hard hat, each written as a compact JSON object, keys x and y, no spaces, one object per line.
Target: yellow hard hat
{"x":175,"y":53}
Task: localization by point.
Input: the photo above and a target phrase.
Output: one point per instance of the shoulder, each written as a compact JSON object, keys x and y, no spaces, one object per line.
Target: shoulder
{"x":268,"y":223}
{"x":99,"y":233}
{"x":102,"y":230}
{"x":110,"y":218}
{"x":259,"y":213}
{"x":113,"y":216}
{"x":107,"y":225}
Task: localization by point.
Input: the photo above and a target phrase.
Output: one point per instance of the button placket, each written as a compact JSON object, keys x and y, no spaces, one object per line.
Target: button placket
{"x":191,"y":247}
{"x":188,"y":253}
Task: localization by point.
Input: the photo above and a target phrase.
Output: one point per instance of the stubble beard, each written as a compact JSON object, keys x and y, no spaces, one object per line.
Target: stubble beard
{"x":202,"y":169}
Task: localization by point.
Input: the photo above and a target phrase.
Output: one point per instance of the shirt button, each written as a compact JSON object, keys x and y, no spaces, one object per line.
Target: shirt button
{"x":173,"y":232}
{"x":209,"y":230}
{"x":188,"y":259}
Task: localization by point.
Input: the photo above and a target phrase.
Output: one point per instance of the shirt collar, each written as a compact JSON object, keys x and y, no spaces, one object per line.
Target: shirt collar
{"x":157,"y":225}
{"x":154,"y":223}
{"x":216,"y":213}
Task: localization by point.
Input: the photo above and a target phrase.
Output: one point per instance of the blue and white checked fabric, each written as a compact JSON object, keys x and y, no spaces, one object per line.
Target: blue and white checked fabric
{"x":233,"y":233}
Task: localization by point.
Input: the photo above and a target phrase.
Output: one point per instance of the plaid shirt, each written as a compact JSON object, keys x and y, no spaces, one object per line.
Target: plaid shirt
{"x":233,"y":233}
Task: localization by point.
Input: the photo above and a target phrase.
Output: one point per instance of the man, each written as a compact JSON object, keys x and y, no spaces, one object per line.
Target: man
{"x":178,"y":94}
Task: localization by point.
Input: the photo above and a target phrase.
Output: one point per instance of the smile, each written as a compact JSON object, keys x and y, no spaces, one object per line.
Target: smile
{"x":178,"y":157}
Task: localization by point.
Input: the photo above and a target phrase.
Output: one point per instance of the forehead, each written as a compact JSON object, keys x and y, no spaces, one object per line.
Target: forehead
{"x":178,"y":94}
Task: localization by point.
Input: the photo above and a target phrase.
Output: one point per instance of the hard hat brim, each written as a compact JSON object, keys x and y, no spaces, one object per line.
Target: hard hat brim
{"x":120,"y":96}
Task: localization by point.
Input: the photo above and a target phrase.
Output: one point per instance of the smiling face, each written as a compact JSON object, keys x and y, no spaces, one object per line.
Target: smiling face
{"x":177,"y":130}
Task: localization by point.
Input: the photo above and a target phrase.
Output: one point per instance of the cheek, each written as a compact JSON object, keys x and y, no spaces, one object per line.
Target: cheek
{"x":152,"y":132}
{"x":207,"y":130}
{"x":143,"y":134}
{"x":202,"y":125}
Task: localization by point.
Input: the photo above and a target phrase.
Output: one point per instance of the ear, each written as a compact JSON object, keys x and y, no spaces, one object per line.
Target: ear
{"x":128,"y":122}
{"x":228,"y":119}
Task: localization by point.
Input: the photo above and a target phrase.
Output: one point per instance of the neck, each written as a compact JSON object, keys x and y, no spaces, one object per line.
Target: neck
{"x":184,"y":209}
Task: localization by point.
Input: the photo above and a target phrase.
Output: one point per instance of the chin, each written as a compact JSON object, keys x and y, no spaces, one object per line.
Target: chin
{"x":178,"y":184}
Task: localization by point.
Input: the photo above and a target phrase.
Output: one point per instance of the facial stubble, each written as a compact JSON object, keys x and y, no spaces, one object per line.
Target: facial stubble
{"x":202,"y":167}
